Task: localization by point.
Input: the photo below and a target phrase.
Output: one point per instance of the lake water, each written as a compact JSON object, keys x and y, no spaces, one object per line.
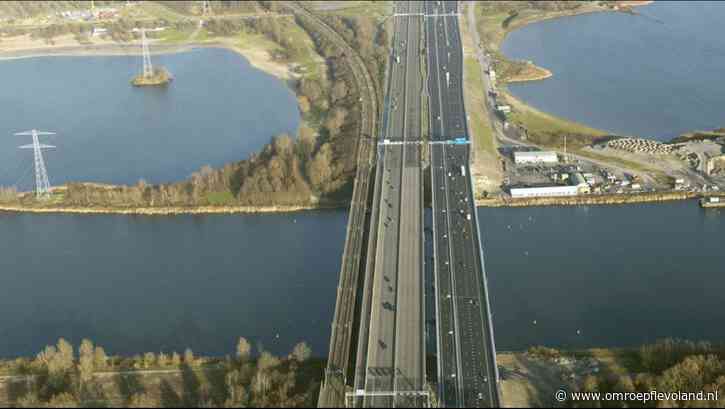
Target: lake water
{"x":619,"y":275}
{"x":218,"y":110}
{"x":655,"y":75}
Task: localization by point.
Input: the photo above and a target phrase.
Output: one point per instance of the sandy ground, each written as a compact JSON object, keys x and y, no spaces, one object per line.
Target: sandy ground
{"x":528,"y":383}
{"x":261,"y":59}
{"x":25,"y":46}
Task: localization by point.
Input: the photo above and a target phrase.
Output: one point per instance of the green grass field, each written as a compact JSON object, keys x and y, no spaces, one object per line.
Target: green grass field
{"x":538,"y":121}
{"x":357,"y":8}
{"x":479,"y":120}
{"x":221,"y":198}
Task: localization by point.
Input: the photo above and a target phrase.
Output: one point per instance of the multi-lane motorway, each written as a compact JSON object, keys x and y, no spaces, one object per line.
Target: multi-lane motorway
{"x":380,"y":315}
{"x":467,"y":373}
{"x":391,"y":351}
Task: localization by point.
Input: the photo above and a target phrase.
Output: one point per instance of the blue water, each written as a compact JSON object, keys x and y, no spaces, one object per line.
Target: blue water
{"x":620,"y":275}
{"x":218,"y":110}
{"x":135,"y":284}
{"x":655,"y":75}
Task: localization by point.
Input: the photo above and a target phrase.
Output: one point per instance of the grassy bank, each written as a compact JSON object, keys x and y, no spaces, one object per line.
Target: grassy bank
{"x":495,"y":20}
{"x":482,"y":132}
{"x":552,"y":132}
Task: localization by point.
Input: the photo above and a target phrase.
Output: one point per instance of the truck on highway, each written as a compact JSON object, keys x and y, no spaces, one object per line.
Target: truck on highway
{"x":463,"y":170}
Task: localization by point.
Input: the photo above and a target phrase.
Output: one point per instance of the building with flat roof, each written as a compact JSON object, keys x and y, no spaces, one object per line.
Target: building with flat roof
{"x":546,"y":191}
{"x":522,"y":158}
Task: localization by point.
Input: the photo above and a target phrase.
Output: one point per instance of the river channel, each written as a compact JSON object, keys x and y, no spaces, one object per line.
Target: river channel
{"x":558,"y":276}
{"x":571,"y":276}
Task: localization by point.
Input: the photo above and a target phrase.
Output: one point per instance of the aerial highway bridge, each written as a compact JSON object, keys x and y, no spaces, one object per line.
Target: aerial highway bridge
{"x":378,"y":342}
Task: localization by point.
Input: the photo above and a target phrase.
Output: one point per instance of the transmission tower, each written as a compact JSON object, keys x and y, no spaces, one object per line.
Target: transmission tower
{"x":205,"y":8}
{"x":148,"y":69}
{"x":42,"y":185}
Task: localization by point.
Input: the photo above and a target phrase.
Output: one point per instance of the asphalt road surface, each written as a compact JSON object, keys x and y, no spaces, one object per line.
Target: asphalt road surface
{"x":392,"y":350}
{"x":467,"y":371}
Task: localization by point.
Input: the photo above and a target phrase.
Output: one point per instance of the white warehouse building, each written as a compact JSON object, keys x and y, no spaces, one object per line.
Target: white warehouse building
{"x":546,"y":191}
{"x":535,"y":157}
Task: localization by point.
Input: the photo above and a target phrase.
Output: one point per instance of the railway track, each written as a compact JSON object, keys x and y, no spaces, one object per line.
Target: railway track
{"x":332,"y":393}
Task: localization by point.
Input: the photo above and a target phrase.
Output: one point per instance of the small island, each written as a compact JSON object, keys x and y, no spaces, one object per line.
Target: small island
{"x":151,"y":76}
{"x":159,"y":76}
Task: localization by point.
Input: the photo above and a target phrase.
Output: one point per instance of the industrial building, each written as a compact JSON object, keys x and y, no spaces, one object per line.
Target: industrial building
{"x":536,"y":157}
{"x":504,"y":109}
{"x":578,"y":185}
{"x":546,"y":191}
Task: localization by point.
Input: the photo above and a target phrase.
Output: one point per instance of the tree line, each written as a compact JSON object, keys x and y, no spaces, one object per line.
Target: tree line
{"x":666,"y":366}
{"x":58,"y":377}
{"x":318,"y":166}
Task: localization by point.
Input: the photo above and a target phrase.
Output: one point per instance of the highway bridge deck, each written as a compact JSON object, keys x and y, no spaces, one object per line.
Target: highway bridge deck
{"x":467,"y":372}
{"x":382,"y":282}
{"x":393,"y":356}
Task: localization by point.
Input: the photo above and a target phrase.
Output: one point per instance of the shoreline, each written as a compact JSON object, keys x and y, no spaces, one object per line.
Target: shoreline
{"x":624,"y":7}
{"x":253,"y":57}
{"x":167,"y":211}
{"x":589,"y":200}
{"x":116,"y":49}
{"x":496,"y":202}
{"x":543,"y":74}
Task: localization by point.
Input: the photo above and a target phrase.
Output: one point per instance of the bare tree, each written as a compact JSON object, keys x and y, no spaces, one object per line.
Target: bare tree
{"x":244,"y":350}
{"x":86,"y":358}
{"x":301,"y":352}
{"x":189,"y":357}
{"x":100,"y":359}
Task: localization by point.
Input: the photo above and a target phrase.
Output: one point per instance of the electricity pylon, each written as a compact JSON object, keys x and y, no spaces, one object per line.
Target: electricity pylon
{"x":148,"y":69}
{"x":42,"y":184}
{"x":205,"y":8}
